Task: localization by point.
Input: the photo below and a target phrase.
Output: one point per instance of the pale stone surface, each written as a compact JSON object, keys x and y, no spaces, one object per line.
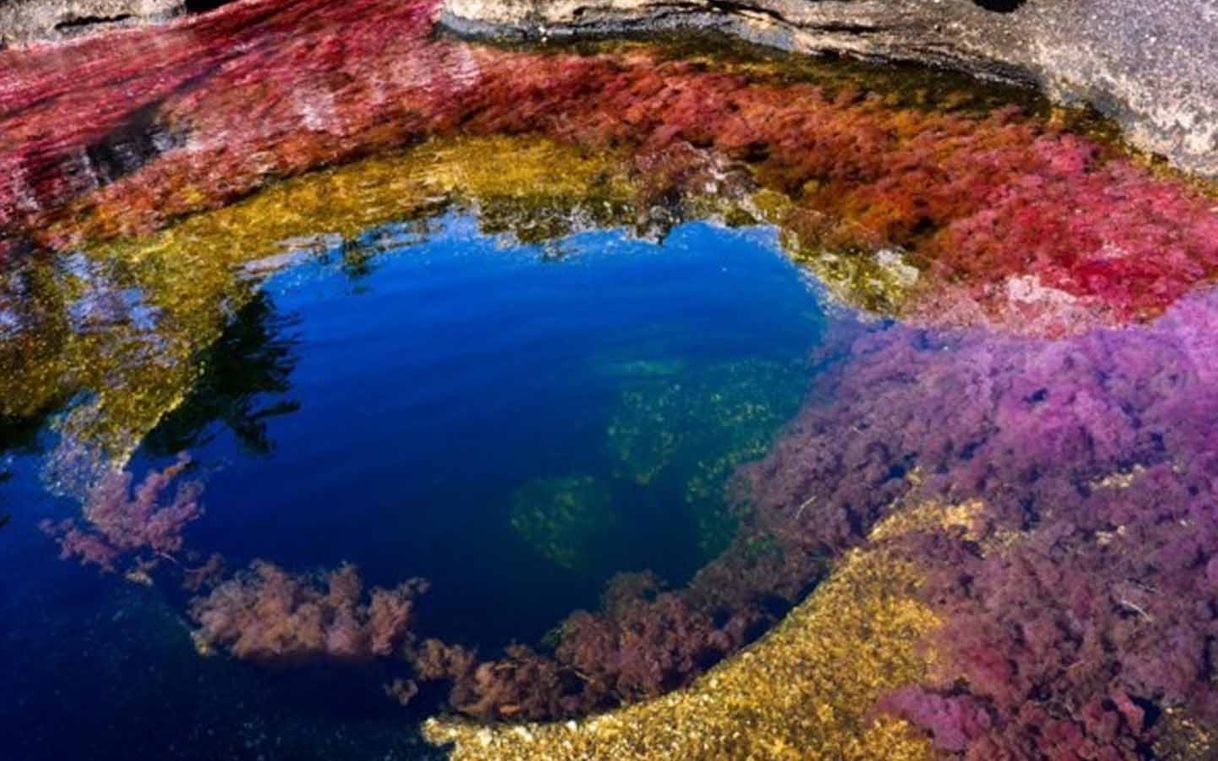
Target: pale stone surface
{"x":23,"y":21}
{"x":1152,"y":66}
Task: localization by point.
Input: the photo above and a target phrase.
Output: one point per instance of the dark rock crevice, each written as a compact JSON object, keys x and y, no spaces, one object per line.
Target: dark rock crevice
{"x":1000,"y":6}
{"x":72,"y":23}
{"x":203,"y":6}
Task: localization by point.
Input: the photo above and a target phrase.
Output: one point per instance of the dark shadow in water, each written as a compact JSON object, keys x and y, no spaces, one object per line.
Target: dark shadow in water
{"x":20,"y":435}
{"x":253,"y":357}
{"x":141,"y":138}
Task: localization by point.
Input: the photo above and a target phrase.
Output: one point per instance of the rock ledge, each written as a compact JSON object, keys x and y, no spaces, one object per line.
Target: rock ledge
{"x":1152,"y":67}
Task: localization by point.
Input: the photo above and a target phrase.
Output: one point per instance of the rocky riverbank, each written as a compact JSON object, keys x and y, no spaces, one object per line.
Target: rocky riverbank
{"x":1150,"y":66}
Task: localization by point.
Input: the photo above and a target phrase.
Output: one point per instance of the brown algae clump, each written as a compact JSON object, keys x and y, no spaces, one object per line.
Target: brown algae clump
{"x":805,"y":690}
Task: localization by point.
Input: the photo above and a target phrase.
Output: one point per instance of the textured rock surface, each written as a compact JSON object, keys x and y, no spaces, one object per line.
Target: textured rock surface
{"x":1151,"y":66}
{"x":26,"y":20}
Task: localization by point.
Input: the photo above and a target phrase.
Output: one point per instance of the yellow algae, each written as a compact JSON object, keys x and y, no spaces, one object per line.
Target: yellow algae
{"x":158,"y":301}
{"x":876,"y":281}
{"x":155,"y":303}
{"x":342,"y":202}
{"x":1185,"y":738}
{"x":124,"y":322}
{"x":932,"y":515}
{"x":804,"y":691}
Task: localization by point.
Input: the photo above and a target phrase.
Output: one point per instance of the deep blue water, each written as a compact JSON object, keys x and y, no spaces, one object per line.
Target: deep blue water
{"x":416,"y":416}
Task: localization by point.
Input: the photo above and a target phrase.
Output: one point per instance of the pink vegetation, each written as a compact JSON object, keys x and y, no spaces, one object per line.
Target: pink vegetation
{"x":642,"y":644}
{"x":267,"y":614}
{"x":1072,"y":641}
{"x":1012,"y":222}
{"x":120,"y":522}
{"x":1088,"y":607}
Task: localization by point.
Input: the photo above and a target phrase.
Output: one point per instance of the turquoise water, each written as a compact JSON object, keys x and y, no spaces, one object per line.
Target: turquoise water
{"x":516,"y":424}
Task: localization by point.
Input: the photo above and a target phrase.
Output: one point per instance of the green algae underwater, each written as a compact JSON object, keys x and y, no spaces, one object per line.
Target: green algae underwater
{"x":616,"y":401}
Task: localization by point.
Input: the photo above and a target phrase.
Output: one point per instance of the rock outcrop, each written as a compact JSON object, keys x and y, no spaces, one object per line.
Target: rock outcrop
{"x":1153,"y":67}
{"x":27,"y":20}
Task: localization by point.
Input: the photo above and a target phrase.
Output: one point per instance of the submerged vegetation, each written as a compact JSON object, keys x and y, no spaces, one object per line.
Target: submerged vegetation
{"x":563,"y":518}
{"x":121,"y":522}
{"x":698,"y":427}
{"x":266,"y":614}
{"x":803,"y":691}
{"x":990,"y":532}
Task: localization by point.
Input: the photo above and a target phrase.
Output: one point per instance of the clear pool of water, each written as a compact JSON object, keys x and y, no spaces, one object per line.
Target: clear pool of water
{"x":514,"y":423}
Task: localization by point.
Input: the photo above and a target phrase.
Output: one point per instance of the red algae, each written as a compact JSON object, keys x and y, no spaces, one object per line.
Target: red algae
{"x":1079,"y":610}
{"x":122,"y":522}
{"x":645,"y":644}
{"x":1011,"y":221}
{"x":267,"y":614}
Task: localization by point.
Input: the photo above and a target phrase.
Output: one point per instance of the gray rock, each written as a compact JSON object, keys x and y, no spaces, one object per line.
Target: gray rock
{"x":23,"y":21}
{"x":1152,"y":65}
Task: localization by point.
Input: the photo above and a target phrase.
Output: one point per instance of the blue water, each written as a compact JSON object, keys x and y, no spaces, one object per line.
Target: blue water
{"x":413,"y":415}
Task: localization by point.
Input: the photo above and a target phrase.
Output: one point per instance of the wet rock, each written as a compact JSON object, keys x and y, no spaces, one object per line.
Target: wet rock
{"x":24,"y":21}
{"x":1153,"y":67}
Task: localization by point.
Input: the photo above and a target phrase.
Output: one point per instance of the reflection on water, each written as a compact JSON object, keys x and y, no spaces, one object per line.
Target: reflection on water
{"x":460,"y":407}
{"x":125,"y":325}
{"x":252,"y":358}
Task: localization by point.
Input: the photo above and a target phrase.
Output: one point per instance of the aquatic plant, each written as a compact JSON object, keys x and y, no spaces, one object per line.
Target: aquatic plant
{"x":696,"y":427}
{"x":803,"y":691}
{"x":1082,"y":612}
{"x":267,"y":614}
{"x":643,"y":640}
{"x":645,"y":646}
{"x":520,"y":685}
{"x":1073,"y":638}
{"x":1009,"y":219}
{"x":120,"y":522}
{"x":737,"y":407}
{"x":642,"y":643}
{"x":563,"y":518}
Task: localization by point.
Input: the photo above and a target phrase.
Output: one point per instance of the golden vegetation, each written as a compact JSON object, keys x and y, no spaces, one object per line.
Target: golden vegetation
{"x":804,"y":691}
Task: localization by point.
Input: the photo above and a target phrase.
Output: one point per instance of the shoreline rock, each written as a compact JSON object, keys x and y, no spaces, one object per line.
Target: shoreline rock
{"x":1152,"y":68}
{"x":25,"y":21}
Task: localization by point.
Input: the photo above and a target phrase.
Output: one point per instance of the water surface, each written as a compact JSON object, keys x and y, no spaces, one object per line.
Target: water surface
{"x":516,"y":423}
